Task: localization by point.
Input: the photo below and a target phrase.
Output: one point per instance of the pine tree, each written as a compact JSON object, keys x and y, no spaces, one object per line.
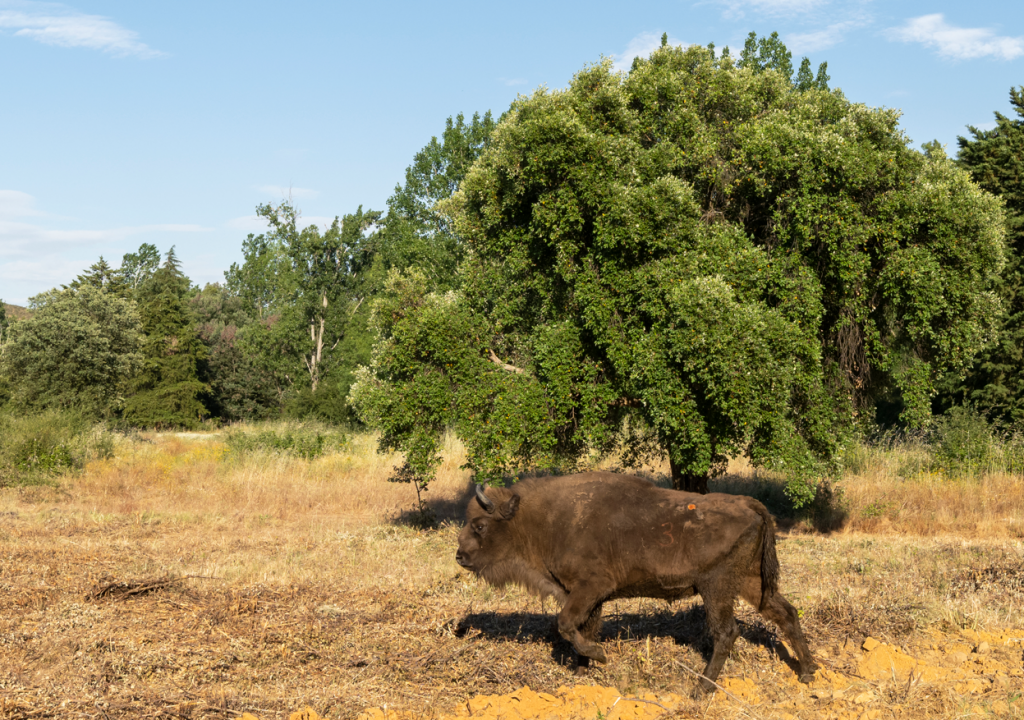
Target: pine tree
{"x":168,"y":389}
{"x":995,"y":159}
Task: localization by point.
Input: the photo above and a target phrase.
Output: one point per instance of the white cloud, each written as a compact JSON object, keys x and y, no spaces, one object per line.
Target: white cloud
{"x":288,"y":192}
{"x":512,"y":82}
{"x":957,"y":43}
{"x":20,"y":239}
{"x":57,"y":24}
{"x":14,"y":203}
{"x":735,"y":9}
{"x":640,"y":46}
{"x":47,"y":271}
{"x":802,"y":43}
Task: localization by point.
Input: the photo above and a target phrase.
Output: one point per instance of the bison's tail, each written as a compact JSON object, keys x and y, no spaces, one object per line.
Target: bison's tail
{"x":769,"y":558}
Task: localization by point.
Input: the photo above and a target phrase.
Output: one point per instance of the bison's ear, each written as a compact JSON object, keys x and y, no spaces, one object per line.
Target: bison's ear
{"x":508,"y":509}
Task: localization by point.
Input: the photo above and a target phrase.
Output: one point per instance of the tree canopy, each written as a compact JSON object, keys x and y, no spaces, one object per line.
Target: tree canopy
{"x":995,"y":159}
{"x":413,"y":233}
{"x":167,"y":390}
{"x":696,"y":258}
{"x":79,"y":349}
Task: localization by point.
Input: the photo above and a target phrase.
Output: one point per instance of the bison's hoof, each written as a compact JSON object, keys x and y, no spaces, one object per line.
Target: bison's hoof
{"x":807,"y":677}
{"x":704,"y":687}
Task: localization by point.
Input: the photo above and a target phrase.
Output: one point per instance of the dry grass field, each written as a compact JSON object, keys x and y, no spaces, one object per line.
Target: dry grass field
{"x":181,"y":580}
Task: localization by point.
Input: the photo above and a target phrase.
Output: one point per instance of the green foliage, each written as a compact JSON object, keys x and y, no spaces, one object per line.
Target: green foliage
{"x":138,"y":267}
{"x":697,"y":254}
{"x":36,"y":448}
{"x":413,"y":233}
{"x":995,"y":159}
{"x":79,"y":349}
{"x":168,"y":388}
{"x":304,"y":288}
{"x":257,"y":282}
{"x":240,"y":389}
{"x":965,"y":444}
{"x":302,"y":441}
{"x":770,"y":53}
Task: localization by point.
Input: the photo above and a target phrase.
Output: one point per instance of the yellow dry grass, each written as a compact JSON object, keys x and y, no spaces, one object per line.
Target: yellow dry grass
{"x":285,"y":583}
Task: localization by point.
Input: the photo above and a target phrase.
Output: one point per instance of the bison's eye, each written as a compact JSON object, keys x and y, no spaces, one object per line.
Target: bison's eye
{"x":479,"y":528}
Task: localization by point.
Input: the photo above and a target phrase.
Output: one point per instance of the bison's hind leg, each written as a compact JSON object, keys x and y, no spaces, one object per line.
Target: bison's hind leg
{"x":590,"y":630}
{"x":719,"y":599}
{"x":781,"y":612}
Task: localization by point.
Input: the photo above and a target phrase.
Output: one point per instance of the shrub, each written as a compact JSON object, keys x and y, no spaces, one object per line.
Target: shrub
{"x":299,"y":441}
{"x":965,"y":444}
{"x":35,"y":449}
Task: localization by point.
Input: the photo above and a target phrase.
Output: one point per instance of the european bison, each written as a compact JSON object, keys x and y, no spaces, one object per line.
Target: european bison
{"x":598,"y":536}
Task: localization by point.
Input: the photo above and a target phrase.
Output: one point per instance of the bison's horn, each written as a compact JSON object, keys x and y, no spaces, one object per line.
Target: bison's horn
{"x":485,"y":501}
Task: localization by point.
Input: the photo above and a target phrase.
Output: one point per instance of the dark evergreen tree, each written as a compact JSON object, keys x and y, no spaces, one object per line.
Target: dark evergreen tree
{"x":103,"y":277}
{"x":995,"y":159}
{"x":168,"y":389}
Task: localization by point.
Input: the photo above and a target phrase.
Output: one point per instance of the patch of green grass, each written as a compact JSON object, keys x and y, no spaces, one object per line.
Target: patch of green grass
{"x":35,"y":449}
{"x":303,"y":441}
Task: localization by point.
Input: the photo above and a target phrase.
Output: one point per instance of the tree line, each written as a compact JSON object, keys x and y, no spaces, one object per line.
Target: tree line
{"x":703,"y":257}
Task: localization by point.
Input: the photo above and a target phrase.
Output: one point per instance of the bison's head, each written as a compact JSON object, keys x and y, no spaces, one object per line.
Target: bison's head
{"x":485,"y":539}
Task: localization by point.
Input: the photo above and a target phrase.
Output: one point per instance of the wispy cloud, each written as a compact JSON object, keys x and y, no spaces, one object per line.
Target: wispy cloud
{"x":640,"y":46}
{"x":512,"y":82}
{"x":736,"y":9}
{"x":288,"y":192}
{"x":957,"y":43}
{"x":27,"y":231}
{"x":801,"y":43}
{"x":57,"y":24}
{"x":14,"y":203}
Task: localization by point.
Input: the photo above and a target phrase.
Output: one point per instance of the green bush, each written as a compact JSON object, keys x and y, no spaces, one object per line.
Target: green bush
{"x":965,"y":444}
{"x":300,"y":441}
{"x":35,"y":449}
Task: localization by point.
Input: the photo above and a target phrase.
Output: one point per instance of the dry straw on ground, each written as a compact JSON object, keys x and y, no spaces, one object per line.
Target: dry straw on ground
{"x":178,"y":580}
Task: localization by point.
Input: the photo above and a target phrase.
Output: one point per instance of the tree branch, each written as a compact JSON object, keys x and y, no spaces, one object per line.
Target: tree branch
{"x":504,"y":366}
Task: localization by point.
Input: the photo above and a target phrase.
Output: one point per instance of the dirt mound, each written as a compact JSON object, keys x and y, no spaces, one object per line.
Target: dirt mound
{"x":973,"y":665}
{"x":583,"y":701}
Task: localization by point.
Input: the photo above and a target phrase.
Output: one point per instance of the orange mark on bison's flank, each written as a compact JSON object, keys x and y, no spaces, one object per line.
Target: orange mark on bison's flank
{"x":667,"y":533}
{"x":691,"y":506}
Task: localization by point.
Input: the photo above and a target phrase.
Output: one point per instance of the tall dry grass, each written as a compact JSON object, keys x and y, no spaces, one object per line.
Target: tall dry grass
{"x":298,"y":582}
{"x":194,"y":477}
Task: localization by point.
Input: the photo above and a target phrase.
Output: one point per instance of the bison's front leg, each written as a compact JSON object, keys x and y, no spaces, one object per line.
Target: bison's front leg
{"x":580,"y":621}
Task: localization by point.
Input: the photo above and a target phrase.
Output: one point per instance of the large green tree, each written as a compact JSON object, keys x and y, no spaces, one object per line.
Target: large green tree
{"x":168,"y":391}
{"x":303,"y":287}
{"x":79,"y":349}
{"x":413,"y":233}
{"x":995,"y":159}
{"x":696,"y":258}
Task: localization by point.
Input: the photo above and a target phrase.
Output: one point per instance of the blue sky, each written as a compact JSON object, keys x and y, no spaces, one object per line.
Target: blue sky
{"x":128,"y":122}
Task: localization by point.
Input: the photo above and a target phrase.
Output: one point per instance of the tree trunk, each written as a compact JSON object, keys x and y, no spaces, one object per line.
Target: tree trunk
{"x":688,"y":482}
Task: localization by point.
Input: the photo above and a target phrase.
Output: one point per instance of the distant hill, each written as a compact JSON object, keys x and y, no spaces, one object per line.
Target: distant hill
{"x":16,"y":312}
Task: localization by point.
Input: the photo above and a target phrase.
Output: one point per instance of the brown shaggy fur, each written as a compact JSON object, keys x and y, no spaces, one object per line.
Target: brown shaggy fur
{"x":589,"y":538}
